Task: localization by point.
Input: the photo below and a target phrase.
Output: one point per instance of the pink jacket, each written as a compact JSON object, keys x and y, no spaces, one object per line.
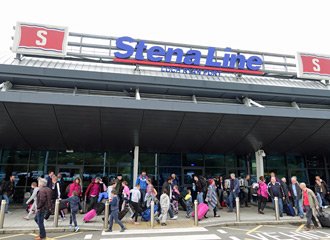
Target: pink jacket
{"x":263,"y":190}
{"x":126,"y":192}
{"x":74,"y":187}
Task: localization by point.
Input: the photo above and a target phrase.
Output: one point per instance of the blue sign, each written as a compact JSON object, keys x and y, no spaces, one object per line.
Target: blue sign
{"x":177,"y":57}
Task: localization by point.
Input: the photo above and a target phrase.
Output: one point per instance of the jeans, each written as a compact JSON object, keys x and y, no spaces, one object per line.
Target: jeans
{"x":114,"y":216}
{"x":39,"y":219}
{"x":200,"y":197}
{"x":280,"y":205}
{"x":231,"y":199}
{"x":73,"y":218}
{"x":299,"y":206}
{"x":5,"y":197}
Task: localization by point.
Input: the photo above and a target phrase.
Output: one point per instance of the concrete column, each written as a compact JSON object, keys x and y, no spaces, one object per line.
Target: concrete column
{"x":135,"y":164}
{"x":260,"y":154}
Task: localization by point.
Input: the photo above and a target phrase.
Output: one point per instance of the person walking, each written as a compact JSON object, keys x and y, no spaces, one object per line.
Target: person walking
{"x":234,"y":191}
{"x":44,"y":205}
{"x":114,"y":207}
{"x":165,"y":206}
{"x":74,"y":202}
{"x":169,"y":191}
{"x":221,"y":188}
{"x":211,"y":197}
{"x":247,"y":190}
{"x":135,"y":202}
{"x":8,"y":191}
{"x":311,"y":205}
{"x":262,"y":194}
{"x":199,"y":189}
{"x":92,"y":192}
{"x":56,"y":194}
{"x":49,"y":178}
{"x":75,"y":187}
{"x":142,"y":181}
{"x":320,"y":191}
{"x":275,"y":190}
{"x":295,"y":192}
{"x":33,"y":198}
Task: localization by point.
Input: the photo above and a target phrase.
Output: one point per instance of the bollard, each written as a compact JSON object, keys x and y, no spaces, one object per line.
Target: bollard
{"x":277,"y":214}
{"x":238,"y":214}
{"x":2,"y":213}
{"x":152,"y":213}
{"x":56,"y":212}
{"x":106,"y":215}
{"x":196,"y":213}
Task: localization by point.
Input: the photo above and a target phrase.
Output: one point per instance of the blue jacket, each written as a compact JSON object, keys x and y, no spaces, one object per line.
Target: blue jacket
{"x":143,"y":182}
{"x":114,"y":204}
{"x":236,"y":185}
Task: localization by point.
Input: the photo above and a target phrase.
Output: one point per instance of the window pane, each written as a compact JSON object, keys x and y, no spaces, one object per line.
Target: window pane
{"x":275,"y":161}
{"x":165,"y":172}
{"x":212,"y":160}
{"x":35,"y":171}
{"x":15,"y":157}
{"x":315,"y":162}
{"x":96,"y":158}
{"x":127,"y":173}
{"x":76,"y":158}
{"x":19,"y":171}
{"x":120,"y":159}
{"x":193,"y":160}
{"x":242,"y":161}
{"x":214,"y":172}
{"x":90,"y":173}
{"x":40,"y":157}
{"x":295,"y":161}
{"x":169,"y":159}
{"x":312,"y":173}
{"x":231,"y":161}
{"x":146,"y":159}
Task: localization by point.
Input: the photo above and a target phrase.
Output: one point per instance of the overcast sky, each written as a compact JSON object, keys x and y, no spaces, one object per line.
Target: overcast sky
{"x":284,"y":26}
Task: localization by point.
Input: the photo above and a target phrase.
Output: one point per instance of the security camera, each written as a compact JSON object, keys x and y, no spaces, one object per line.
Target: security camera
{"x":5,"y":86}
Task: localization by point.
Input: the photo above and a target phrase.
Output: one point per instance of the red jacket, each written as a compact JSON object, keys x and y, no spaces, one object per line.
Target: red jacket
{"x":74,"y":187}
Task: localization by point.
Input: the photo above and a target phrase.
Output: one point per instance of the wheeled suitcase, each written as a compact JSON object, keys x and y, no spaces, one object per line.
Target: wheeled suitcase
{"x":99,"y":207}
{"x":202,"y":209}
{"x":89,"y":216}
{"x":123,"y":213}
{"x":324,"y":218}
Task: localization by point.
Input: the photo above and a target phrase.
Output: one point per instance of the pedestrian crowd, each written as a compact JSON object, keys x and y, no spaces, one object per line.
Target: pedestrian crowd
{"x":294,"y":198}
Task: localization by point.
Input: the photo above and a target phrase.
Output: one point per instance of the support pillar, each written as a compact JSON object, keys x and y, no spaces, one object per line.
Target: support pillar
{"x":260,"y":154}
{"x":135,"y":164}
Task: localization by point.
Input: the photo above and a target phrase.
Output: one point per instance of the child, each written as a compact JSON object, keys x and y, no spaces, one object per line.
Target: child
{"x":114,"y":204}
{"x":135,"y":202}
{"x":165,"y":205}
{"x":126,"y":194}
{"x":175,"y":199}
{"x":188,"y":201}
{"x":33,"y":198}
{"x":74,"y":202}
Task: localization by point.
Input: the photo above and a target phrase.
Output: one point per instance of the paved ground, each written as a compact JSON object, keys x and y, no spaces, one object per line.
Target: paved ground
{"x":15,"y":220}
{"x":270,"y":232}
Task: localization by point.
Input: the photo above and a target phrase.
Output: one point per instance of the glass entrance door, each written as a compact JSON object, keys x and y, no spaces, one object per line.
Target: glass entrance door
{"x":188,"y":174}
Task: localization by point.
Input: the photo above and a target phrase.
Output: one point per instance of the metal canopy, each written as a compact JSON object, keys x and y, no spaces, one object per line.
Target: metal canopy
{"x":46,"y":126}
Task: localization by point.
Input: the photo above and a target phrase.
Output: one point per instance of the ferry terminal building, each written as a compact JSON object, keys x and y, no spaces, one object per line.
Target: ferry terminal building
{"x":89,"y":114}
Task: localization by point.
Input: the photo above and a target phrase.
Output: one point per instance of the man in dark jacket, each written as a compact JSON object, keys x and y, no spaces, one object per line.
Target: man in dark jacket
{"x":44,"y":204}
{"x":8,"y":191}
{"x":285,"y":189}
{"x":295,"y":192}
{"x":234,"y":191}
{"x":275,"y":190}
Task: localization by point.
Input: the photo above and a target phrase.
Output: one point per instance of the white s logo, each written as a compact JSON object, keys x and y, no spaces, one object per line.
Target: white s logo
{"x":42,"y":35}
{"x":316,"y":64}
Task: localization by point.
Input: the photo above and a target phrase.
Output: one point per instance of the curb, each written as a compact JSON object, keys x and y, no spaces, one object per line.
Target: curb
{"x":201,"y":224}
{"x":249,"y":223}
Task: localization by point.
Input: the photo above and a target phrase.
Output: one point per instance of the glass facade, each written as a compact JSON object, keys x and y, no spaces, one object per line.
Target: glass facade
{"x":27,"y":166}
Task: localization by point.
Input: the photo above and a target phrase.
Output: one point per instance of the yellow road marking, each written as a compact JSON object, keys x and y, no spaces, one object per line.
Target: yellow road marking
{"x":254,"y":229}
{"x":67,"y":235}
{"x":16,"y":235}
{"x":300,"y":227}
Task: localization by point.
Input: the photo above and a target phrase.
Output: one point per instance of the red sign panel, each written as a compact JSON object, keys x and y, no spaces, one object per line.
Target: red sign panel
{"x":40,"y":39}
{"x":313,"y":66}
